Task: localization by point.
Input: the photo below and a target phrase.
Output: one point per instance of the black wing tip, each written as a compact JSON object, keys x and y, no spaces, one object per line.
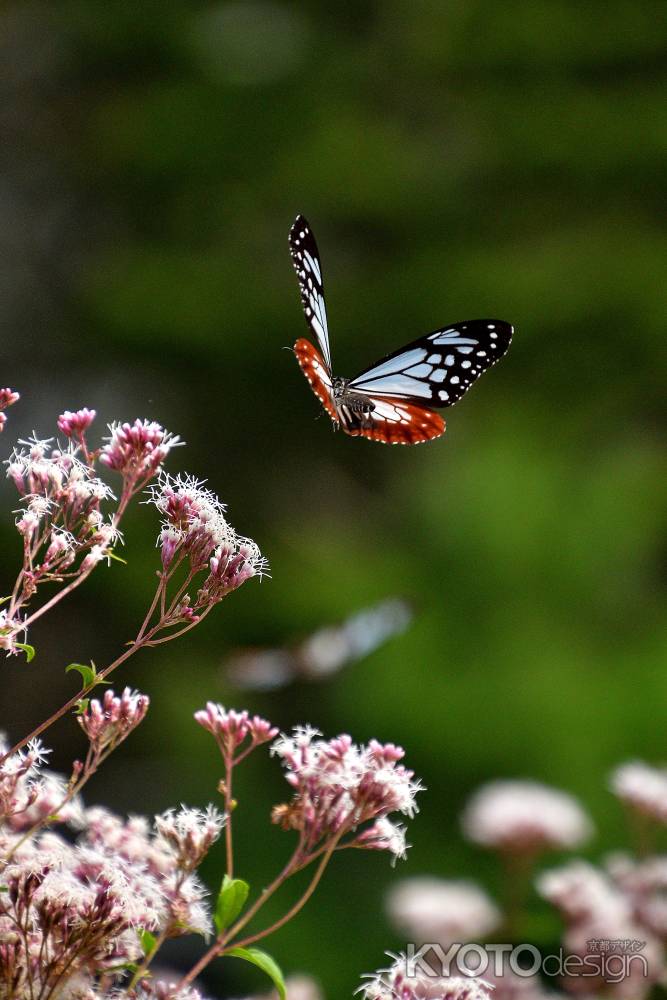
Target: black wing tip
{"x":500,"y":325}
{"x":300,"y":220}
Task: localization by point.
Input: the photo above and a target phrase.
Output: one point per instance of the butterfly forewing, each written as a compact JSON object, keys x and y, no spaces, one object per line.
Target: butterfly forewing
{"x":439,"y":368}
{"x":306,"y":258}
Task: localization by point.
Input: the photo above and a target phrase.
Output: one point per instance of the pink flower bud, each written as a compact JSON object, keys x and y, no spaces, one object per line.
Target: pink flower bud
{"x":113,"y":718}
{"x":232,"y":728}
{"x":137,"y":450}
{"x":75,"y":424}
{"x":7,"y":398}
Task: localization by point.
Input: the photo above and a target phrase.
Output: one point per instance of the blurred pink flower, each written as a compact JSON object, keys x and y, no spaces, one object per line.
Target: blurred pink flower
{"x":595,"y":910}
{"x":643,"y":788}
{"x":7,"y":398}
{"x":434,"y":910}
{"x":524,"y":817}
{"x":29,"y":793}
{"x":644,"y":883}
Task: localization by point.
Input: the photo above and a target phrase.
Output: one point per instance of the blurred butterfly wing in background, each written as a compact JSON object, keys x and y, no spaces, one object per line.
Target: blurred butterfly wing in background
{"x":323,"y":653}
{"x":306,"y":259}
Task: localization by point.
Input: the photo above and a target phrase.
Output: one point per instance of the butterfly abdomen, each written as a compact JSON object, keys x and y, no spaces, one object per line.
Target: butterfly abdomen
{"x":351,"y":401}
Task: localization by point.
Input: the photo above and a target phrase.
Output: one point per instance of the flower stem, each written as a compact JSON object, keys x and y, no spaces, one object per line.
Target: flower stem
{"x":292,"y":912}
{"x":58,"y":714}
{"x":229,"y":807}
{"x":226,"y":939}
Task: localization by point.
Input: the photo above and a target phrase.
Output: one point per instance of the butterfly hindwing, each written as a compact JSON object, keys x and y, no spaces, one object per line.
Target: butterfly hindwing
{"x":439,"y":368}
{"x":394,"y":421}
{"x":306,"y":258}
{"x":314,"y":368}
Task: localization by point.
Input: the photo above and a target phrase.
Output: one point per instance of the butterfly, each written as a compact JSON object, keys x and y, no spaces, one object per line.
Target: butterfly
{"x":393,"y":401}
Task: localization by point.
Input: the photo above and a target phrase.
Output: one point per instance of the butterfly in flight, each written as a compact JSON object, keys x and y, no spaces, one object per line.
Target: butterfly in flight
{"x":393,"y":401}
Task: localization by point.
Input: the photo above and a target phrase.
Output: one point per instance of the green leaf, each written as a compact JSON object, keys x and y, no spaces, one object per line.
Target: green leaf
{"x":112,"y":555}
{"x":3,"y":600}
{"x":27,"y":649}
{"x":88,"y":674}
{"x":82,"y":706}
{"x":231,"y":900}
{"x":148,"y":941}
{"x":264,"y":962}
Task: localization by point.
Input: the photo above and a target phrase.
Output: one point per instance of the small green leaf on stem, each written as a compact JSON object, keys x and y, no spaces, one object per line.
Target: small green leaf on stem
{"x":88,"y":674}
{"x":148,"y":942}
{"x":231,"y":900}
{"x":264,"y":962}
{"x":27,"y":649}
{"x":82,"y":706}
{"x":112,"y":555}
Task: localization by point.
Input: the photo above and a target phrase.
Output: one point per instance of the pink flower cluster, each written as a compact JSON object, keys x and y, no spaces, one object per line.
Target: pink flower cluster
{"x":595,"y":909}
{"x":62,"y":522}
{"x":29,"y":792}
{"x":236,"y":733}
{"x":190,"y":833}
{"x":137,"y":451}
{"x":338,"y":786}
{"x":194,"y":529}
{"x":75,"y":424}
{"x":398,"y":982}
{"x":7,"y":398}
{"x":84,"y":905}
{"x":108,"y":722}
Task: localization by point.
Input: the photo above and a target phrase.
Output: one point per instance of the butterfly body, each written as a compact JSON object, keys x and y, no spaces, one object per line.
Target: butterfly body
{"x":393,"y":401}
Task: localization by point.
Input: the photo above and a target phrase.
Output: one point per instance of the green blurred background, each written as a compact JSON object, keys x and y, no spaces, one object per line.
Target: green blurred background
{"x":456,"y":160}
